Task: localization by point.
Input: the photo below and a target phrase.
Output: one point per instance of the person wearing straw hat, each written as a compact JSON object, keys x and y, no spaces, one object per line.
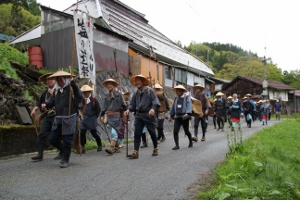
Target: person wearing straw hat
{"x":113,"y":106}
{"x":160,"y":112}
{"x":205,"y":109}
{"x":236,"y":112}
{"x":143,"y":103}
{"x":181,"y":112}
{"x":47,"y":117}
{"x":229,"y":99}
{"x":264,"y":112}
{"x":249,"y":109}
{"x":220,"y":110}
{"x":90,"y":112}
{"x":67,"y":100}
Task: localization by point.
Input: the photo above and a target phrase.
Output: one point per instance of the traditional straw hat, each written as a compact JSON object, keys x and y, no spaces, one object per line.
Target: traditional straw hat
{"x":179,"y":87}
{"x":86,"y":88}
{"x":219,"y":94}
{"x":230,"y":97}
{"x":259,"y":101}
{"x":199,"y":85}
{"x":44,"y":77}
{"x":60,"y":73}
{"x":248,"y":95}
{"x":245,"y":97}
{"x":157,"y":86}
{"x":144,"y":79}
{"x":110,"y":80}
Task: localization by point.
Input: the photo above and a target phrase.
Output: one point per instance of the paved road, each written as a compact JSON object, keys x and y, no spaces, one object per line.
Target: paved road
{"x":96,"y":175}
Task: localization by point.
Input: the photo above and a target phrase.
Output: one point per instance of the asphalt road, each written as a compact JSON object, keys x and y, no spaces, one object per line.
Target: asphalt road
{"x":96,"y":175}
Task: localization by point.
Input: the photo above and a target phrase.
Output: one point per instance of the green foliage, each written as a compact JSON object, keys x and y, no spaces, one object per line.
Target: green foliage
{"x":229,"y":61}
{"x":292,"y":78}
{"x":8,"y":53}
{"x":16,"y":20}
{"x":266,"y":167}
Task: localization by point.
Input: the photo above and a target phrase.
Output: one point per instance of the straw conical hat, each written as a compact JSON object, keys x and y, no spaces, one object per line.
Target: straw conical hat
{"x":219,"y":94}
{"x":179,"y":87}
{"x":230,"y":97}
{"x":44,"y":77}
{"x":245,"y":97}
{"x":110,"y":80}
{"x":86,"y":88}
{"x":199,"y":85}
{"x":248,"y":95}
{"x":157,"y":86}
{"x":144,"y":79}
{"x":60,"y":73}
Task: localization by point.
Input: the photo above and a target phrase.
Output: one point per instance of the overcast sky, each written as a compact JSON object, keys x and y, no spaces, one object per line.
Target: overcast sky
{"x":268,"y":28}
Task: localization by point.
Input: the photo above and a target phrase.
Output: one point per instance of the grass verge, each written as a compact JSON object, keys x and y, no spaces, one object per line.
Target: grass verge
{"x":266,"y":166}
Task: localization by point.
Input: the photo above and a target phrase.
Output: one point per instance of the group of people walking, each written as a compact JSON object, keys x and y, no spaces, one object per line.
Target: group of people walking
{"x":63,"y":103}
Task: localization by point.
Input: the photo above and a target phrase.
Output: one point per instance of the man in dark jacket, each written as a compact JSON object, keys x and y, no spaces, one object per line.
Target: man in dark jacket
{"x":143,"y":103}
{"x":205,"y":109}
{"x":90,"y":113}
{"x":181,"y":111}
{"x":220,"y":110}
{"x":67,"y":99}
{"x":47,"y":115}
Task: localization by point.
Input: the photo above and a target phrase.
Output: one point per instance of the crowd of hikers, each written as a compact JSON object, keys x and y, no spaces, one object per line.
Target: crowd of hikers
{"x":65,"y":107}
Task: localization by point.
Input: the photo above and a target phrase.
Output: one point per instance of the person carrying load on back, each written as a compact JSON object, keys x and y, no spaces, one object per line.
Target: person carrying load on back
{"x":90,"y":113}
{"x":67,"y":100}
{"x":144,"y":103}
{"x":205,"y":109}
{"x":220,"y":110}
{"x":113,"y":106}
{"x":181,"y":111}
{"x":46,"y":116}
{"x":160,"y":112}
{"x":249,"y":109}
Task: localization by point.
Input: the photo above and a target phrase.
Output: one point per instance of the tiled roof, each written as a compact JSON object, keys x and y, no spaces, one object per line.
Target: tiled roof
{"x":271,"y":84}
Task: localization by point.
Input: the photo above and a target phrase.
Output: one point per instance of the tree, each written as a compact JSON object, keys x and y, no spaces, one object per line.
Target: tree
{"x":16,"y":20}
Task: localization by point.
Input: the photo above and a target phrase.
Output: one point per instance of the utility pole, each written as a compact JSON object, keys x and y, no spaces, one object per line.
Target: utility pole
{"x":265,"y":82}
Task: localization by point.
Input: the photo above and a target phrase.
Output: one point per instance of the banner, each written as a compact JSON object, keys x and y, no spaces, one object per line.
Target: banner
{"x":84,"y":46}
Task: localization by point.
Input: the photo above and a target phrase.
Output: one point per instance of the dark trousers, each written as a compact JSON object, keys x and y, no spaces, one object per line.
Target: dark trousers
{"x":138,"y":131}
{"x":45,"y":129}
{"x":160,"y":128}
{"x":215,"y":120}
{"x":185,"y":124}
{"x":55,"y":140}
{"x":94,"y":134}
{"x":203,"y":125}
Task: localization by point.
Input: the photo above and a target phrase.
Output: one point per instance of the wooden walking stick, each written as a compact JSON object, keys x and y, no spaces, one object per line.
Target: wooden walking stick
{"x":127,"y":117}
{"x":78,"y":140}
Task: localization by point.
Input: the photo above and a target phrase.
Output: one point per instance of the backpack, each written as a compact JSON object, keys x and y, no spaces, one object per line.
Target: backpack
{"x":196,"y":107}
{"x":162,"y":101}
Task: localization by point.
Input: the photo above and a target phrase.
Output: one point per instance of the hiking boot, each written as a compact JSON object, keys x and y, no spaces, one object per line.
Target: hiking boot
{"x":195,"y":139}
{"x":176,"y":147}
{"x":191,"y":144}
{"x":111,"y":148}
{"x":155,"y":152}
{"x":203,"y":139}
{"x":163,"y":139}
{"x":64,"y":164}
{"x":99,"y":148}
{"x":59,"y":156}
{"x":134,"y":155}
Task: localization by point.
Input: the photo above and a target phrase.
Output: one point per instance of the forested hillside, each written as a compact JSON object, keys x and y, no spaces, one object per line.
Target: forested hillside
{"x":18,"y":16}
{"x":228,"y":61}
